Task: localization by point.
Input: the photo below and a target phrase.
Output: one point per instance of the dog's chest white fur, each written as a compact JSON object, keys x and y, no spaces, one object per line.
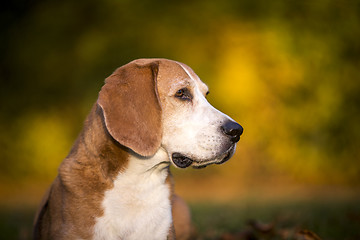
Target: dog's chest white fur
{"x":138,"y":206}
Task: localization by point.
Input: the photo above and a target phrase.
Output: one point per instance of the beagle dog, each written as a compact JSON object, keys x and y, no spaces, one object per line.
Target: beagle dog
{"x":115,"y":183}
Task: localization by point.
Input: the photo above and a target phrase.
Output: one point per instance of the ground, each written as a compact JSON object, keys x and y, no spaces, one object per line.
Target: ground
{"x":329,"y":219}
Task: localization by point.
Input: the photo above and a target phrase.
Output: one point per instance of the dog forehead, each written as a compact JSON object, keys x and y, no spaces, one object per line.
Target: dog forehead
{"x":175,"y":75}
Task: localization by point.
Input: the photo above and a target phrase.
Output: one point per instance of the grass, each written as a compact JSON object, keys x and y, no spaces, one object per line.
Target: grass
{"x":16,"y":222}
{"x":331,"y":220}
{"x":328,"y":219}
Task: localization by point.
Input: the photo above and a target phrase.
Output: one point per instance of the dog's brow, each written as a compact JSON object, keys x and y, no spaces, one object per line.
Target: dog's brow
{"x":186,"y":71}
{"x":202,"y":85}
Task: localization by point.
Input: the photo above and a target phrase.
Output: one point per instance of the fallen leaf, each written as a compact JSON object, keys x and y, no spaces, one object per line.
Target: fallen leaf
{"x":306,"y":235}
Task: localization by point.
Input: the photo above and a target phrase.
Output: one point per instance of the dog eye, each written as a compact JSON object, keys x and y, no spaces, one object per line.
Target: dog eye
{"x":183,"y":94}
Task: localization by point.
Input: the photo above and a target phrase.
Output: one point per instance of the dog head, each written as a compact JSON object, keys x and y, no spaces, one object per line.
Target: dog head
{"x":157,"y":103}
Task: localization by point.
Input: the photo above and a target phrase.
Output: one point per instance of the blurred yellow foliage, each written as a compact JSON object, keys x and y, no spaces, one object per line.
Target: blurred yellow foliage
{"x":44,"y":143}
{"x":287,"y":71}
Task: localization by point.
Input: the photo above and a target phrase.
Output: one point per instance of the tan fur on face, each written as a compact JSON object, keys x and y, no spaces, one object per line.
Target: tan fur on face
{"x":172,"y":77}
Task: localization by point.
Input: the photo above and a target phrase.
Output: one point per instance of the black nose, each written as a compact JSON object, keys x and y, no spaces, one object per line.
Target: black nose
{"x":232,"y":130}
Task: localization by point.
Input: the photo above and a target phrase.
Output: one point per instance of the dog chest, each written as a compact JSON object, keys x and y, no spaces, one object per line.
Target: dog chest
{"x":137,"y":207}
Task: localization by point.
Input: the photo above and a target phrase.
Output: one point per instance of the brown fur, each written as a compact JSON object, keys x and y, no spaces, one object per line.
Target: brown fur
{"x":125,"y":120}
{"x":131,"y":107}
{"x":74,"y":199}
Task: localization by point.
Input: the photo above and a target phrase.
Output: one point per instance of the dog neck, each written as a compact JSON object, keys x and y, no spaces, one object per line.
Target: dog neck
{"x":96,"y":149}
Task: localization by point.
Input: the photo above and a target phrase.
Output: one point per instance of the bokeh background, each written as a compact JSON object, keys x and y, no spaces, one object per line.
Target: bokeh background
{"x":287,"y":71}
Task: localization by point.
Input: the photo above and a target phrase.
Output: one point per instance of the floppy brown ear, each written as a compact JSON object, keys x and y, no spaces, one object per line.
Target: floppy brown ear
{"x":131,"y":107}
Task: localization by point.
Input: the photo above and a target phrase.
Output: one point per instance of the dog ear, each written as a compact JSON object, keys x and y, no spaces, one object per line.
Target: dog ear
{"x":131,"y":107}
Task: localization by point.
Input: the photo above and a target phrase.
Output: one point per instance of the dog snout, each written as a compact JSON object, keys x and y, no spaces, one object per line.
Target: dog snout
{"x":233,"y":130}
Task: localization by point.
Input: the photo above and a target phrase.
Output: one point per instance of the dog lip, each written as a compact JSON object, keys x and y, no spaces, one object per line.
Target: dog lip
{"x":180,"y":160}
{"x":227,"y":155}
{"x":201,"y":166}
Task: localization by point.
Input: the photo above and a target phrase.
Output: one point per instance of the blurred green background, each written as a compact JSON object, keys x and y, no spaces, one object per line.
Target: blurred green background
{"x":288,"y":71}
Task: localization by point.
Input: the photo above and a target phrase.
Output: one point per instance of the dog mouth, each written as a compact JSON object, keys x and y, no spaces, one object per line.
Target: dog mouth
{"x":182,"y":161}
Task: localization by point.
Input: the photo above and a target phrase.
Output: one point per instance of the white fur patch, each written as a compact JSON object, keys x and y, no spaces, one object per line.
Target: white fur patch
{"x":138,"y":207}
